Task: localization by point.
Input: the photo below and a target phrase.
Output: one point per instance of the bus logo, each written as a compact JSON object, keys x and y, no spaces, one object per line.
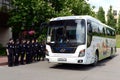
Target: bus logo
{"x":62,"y":50}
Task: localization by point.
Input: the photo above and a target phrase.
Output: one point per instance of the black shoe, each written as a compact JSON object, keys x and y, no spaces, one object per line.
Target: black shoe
{"x":22,"y":63}
{"x":16,"y":65}
{"x":10,"y":65}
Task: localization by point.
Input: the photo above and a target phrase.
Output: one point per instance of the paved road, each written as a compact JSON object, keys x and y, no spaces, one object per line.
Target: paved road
{"x":108,"y":69}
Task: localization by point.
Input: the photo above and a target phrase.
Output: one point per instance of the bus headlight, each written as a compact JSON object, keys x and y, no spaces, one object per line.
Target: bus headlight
{"x":81,"y":53}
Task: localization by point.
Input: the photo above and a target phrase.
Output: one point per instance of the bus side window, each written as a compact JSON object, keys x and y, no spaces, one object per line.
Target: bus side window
{"x":104,"y":31}
{"x":89,"y":34}
{"x":108,"y":32}
{"x":89,"y":29}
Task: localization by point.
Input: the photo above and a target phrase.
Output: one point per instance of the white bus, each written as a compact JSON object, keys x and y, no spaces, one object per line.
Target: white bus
{"x":79,"y":40}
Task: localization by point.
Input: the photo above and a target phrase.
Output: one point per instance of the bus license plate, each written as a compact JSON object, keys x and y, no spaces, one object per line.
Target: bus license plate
{"x":62,"y":59}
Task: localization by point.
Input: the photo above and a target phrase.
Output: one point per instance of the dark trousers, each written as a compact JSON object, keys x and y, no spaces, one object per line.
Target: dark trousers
{"x":31,"y":56}
{"x":43,"y":55}
{"x":35,"y":56}
{"x":28,"y":57}
{"x":17,"y":58}
{"x":39,"y":55}
{"x":10,"y":59}
{"x":22,"y":57}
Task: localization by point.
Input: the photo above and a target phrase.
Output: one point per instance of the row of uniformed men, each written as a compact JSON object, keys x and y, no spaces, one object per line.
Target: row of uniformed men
{"x":25,"y":50}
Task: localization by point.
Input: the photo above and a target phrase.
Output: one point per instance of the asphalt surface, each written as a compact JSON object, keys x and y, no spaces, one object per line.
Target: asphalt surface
{"x":108,"y":69}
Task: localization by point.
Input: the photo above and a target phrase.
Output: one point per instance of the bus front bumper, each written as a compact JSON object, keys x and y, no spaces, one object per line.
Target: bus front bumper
{"x":66,"y":60}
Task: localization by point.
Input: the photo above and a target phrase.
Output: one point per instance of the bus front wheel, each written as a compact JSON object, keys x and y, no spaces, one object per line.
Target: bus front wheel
{"x":95,"y":60}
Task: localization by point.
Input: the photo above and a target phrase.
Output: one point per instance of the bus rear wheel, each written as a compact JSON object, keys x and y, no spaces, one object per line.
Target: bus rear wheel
{"x":111,"y":54}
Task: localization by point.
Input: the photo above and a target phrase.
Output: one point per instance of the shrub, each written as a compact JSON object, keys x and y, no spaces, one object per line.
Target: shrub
{"x":2,"y":50}
{"x":41,"y":38}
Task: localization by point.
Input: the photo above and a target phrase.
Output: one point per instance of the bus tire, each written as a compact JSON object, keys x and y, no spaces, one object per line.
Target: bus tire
{"x":111,"y":54}
{"x":115,"y":49}
{"x":96,"y":59}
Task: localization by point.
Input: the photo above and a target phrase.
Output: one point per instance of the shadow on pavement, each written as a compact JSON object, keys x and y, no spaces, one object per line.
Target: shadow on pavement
{"x":82,"y":67}
{"x":72,"y":67}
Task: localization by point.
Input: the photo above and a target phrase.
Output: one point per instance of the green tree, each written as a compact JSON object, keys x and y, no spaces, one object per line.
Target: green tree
{"x":110,"y":18}
{"x":93,"y":12}
{"x":101,"y":14}
{"x":80,"y":7}
{"x":60,"y":7}
{"x":118,"y":27}
{"x":70,"y":7}
{"x":29,"y":14}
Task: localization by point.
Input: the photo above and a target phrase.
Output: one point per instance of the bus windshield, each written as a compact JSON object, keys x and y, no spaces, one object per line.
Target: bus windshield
{"x":67,"y":31}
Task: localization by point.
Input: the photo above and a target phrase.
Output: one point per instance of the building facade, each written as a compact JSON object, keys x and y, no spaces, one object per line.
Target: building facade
{"x":5,"y":30}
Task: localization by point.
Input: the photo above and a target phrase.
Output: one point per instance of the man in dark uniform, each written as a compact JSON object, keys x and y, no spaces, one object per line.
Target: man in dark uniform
{"x":17,"y":52}
{"x":32,"y":50}
{"x":37,"y":57}
{"x":28,"y":52}
{"x":10,"y":53}
{"x":43,"y":50}
{"x":23,"y":51}
{"x":13,"y":44}
{"x":39,"y":51}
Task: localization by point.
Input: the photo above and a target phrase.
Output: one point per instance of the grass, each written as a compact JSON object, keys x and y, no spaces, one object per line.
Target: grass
{"x":118,"y":41}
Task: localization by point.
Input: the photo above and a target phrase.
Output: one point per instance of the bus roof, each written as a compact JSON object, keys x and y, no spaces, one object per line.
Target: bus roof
{"x":74,"y":17}
{"x":108,"y":26}
{"x":87,"y":17}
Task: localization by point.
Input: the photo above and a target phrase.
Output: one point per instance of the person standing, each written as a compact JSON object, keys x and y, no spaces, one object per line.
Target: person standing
{"x":39,"y":51}
{"x":35,"y":50}
{"x":23,"y":51}
{"x":43,"y":50}
{"x":28,"y":52}
{"x":32,"y":50}
{"x":13,"y":44}
{"x":37,"y":58}
{"x":10,"y":52}
{"x":17,"y":52}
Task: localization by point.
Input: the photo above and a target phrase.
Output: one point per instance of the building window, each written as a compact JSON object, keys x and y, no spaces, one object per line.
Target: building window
{"x":4,"y":5}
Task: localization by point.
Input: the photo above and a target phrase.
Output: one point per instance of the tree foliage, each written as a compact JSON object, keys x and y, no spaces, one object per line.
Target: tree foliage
{"x":101,"y":14}
{"x":110,"y":18}
{"x":70,"y":7}
{"x":118,"y":27}
{"x":27,"y":15}
{"x":30,"y":12}
{"x":79,"y":7}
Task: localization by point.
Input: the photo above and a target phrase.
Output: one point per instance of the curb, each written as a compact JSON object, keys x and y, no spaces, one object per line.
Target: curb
{"x":3,"y":60}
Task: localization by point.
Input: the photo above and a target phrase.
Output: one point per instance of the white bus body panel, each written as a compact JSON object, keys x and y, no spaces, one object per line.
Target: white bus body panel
{"x":97,"y":43}
{"x":103,"y":44}
{"x":69,"y":57}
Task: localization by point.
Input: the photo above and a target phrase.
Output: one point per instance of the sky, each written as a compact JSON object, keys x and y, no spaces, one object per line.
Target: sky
{"x":105,"y":4}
